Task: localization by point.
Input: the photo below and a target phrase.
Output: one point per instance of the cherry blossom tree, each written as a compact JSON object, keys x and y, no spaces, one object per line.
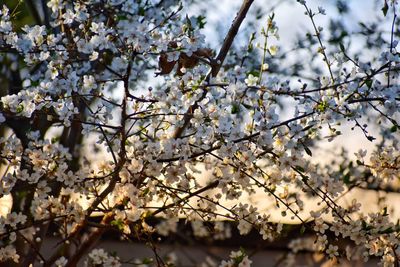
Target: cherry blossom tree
{"x":116,"y":115}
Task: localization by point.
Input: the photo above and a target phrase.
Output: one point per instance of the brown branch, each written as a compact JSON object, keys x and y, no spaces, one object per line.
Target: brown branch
{"x":201,"y":190}
{"x":99,"y":199}
{"x":322,"y":47}
{"x":231,"y":36}
{"x":90,"y":241}
{"x":217,"y":63}
{"x":245,"y":138}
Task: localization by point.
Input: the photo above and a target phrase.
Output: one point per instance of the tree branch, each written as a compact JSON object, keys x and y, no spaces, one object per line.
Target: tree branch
{"x":217,"y":62}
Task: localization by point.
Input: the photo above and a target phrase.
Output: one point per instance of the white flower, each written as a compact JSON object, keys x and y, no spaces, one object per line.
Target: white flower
{"x":265,"y":67}
{"x":273,"y":49}
{"x":9,"y":252}
{"x":133,"y":214}
{"x":94,"y":56}
{"x":332,"y":251}
{"x":61,"y":262}
{"x":320,"y":226}
{"x":251,"y":80}
{"x":54,"y":5}
{"x":136,"y":165}
{"x":246,"y":262}
{"x":5,"y":26}
{"x":89,"y":83}
{"x":68,"y":16}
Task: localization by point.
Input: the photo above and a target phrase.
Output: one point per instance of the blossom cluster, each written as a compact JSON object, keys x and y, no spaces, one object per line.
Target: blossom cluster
{"x":122,"y":111}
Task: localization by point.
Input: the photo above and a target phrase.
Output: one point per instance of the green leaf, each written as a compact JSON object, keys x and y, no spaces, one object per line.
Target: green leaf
{"x":201,"y":21}
{"x":364,"y":224}
{"x":300,"y":169}
{"x":302,"y":229}
{"x":393,"y":129}
{"x":20,"y":108}
{"x":385,"y":8}
{"x":308,"y":151}
{"x":387,"y":231}
{"x":255,"y":73}
{"x":118,"y":223}
{"x":235,"y":108}
{"x":346,"y":178}
{"x":247,"y":106}
{"x":322,"y":107}
{"x":188,"y":22}
{"x":368,"y":83}
{"x":122,"y":17}
{"x":362,"y":24}
{"x":147,"y":260}
{"x":34,"y":83}
{"x":146,"y":191}
{"x":142,"y":11}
